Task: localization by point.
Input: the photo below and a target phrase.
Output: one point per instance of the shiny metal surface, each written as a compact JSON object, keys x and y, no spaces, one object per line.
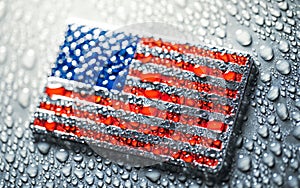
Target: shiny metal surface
{"x":267,"y":153}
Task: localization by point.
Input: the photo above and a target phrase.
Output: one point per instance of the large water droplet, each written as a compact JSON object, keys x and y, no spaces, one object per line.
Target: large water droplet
{"x":282,"y":111}
{"x":277,"y":178}
{"x":153,"y":175}
{"x":243,"y":37}
{"x":32,"y":171}
{"x":10,"y":157}
{"x":24,"y":97}
{"x":273,"y":93}
{"x":283,"y":67}
{"x":263,"y":131}
{"x":266,"y":52}
{"x":244,"y":163}
{"x":268,"y":159}
{"x":265,"y":77}
{"x":293,"y":182}
{"x":62,"y":155}
{"x":283,"y":46}
{"x":79,"y":173}
{"x":296,"y":132}
{"x":296,"y":116}
{"x":29,"y":59}
{"x":275,"y":148}
{"x":43,"y":147}
{"x":66,"y":170}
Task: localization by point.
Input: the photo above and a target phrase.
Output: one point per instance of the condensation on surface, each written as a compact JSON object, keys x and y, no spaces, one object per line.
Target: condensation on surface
{"x":267,"y":151}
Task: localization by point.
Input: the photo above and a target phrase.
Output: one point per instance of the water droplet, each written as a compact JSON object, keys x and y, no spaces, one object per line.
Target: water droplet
{"x":62,"y":155}
{"x":244,"y":163}
{"x":2,"y":9}
{"x":282,"y":111}
{"x":19,"y":132}
{"x":283,"y":46}
{"x":24,"y":97}
{"x":43,"y":147}
{"x":296,"y":132}
{"x":296,"y":116}
{"x":249,"y":145}
{"x":32,"y":171}
{"x":3,"y":52}
{"x":275,"y":148}
{"x":283,"y":5}
{"x":293,"y":182}
{"x":153,"y":175}
{"x":263,"y":131}
{"x":181,"y":3}
{"x":297,"y":103}
{"x":268,"y":159}
{"x":220,"y":32}
{"x":4,"y":137}
{"x":266,"y":52}
{"x":9,"y":121}
{"x":265,"y":77}
{"x":283,"y":67}
{"x":116,"y":182}
{"x":90,"y":180}
{"x":271,"y":119}
{"x":243,"y":37}
{"x":79,"y":173}
{"x":10,"y":157}
{"x":277,"y":178}
{"x":66,"y":170}
{"x":232,"y":10}
{"x":29,"y":59}
{"x":204,"y":22}
{"x":259,"y":20}
{"x":99,"y":174}
{"x":273,"y":93}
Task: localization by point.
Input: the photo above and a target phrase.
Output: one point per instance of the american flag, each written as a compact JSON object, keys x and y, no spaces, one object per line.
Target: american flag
{"x":144,"y":95}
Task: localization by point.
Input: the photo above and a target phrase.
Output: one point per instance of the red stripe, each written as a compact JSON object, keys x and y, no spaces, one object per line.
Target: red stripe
{"x":131,"y":143}
{"x":136,"y":126}
{"x":139,"y":109}
{"x":181,"y":83}
{"x":198,"y":70}
{"x":156,"y":94}
{"x":186,"y":49}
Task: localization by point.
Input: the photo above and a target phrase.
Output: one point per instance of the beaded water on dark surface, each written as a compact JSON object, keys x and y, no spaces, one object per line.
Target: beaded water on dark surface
{"x":145,"y":96}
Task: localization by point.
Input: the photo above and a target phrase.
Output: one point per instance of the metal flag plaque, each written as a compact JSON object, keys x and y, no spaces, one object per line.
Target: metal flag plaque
{"x":145,"y":96}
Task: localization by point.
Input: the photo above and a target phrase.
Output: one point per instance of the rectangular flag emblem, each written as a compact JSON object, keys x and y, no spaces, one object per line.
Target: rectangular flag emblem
{"x":145,"y":96}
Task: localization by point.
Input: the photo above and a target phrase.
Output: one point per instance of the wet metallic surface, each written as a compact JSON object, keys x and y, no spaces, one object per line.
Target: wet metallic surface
{"x":267,"y":149}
